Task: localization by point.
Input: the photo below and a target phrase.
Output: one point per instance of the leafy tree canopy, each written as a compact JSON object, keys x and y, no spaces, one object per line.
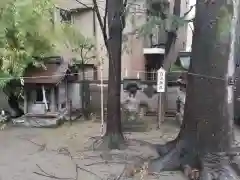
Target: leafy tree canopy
{"x":28,"y":29}
{"x":81,"y":47}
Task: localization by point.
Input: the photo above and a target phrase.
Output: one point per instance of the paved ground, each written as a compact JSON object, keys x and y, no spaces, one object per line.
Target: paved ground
{"x":22,"y":151}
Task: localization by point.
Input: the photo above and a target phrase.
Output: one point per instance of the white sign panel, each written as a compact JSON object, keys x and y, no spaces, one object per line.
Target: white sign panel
{"x":161,"y":80}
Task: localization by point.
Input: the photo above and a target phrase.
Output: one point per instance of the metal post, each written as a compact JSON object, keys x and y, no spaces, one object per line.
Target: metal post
{"x":102,"y":105}
{"x":126,"y":72}
{"x":70,"y":112}
{"x":159,"y":110}
{"x":161,"y":87}
{"x":25,"y":101}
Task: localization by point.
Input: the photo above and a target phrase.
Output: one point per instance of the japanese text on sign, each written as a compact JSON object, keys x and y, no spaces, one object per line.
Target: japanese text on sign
{"x":161,"y":80}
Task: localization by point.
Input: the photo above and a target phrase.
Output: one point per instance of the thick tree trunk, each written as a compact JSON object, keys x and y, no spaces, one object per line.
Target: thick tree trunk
{"x":174,"y":41}
{"x":114,"y":134}
{"x":14,"y":105}
{"x":10,"y":90}
{"x":172,"y":48}
{"x":205,"y":137}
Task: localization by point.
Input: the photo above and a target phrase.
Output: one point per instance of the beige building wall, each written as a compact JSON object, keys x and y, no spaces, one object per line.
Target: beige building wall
{"x":133,"y":60}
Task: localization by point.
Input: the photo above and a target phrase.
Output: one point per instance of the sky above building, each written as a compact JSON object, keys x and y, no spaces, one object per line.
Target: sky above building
{"x":190,"y":25}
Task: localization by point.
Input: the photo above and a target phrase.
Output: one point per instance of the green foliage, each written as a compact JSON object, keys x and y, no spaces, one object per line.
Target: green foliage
{"x":26,"y":31}
{"x":170,"y":23}
{"x":175,"y":67}
{"x":81,"y":46}
{"x":158,"y":18}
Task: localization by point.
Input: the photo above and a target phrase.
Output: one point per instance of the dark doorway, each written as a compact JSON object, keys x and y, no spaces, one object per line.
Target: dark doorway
{"x":152,"y":63}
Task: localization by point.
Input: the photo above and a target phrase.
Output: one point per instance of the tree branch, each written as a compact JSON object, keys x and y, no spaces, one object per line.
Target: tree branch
{"x":105,"y":16}
{"x":81,"y":54}
{"x":104,"y":33}
{"x":190,"y":9}
{"x":173,"y":43}
{"x":82,"y":4}
{"x":191,"y":28}
{"x":125,"y":4}
{"x":100,"y":21}
{"x":123,"y":14}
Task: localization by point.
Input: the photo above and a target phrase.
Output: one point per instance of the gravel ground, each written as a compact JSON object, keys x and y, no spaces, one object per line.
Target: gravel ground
{"x":24,"y":150}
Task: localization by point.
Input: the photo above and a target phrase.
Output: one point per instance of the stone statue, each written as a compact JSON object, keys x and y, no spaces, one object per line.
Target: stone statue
{"x":181,"y":98}
{"x":131,"y":104}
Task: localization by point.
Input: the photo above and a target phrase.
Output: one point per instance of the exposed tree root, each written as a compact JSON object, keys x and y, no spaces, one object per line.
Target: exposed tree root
{"x":235,"y":164}
{"x":168,"y":162}
{"x":217,"y":167}
{"x":186,"y":158}
{"x":176,"y":157}
{"x":165,"y":148}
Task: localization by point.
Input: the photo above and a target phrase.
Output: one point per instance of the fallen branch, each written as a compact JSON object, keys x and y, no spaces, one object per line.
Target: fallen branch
{"x":107,"y":162}
{"x":42,"y":147}
{"x":48,"y":176}
{"x":77,"y":166}
{"x":45,"y":174}
{"x":30,"y":141}
{"x":119,"y":177}
{"x":89,"y":172}
{"x":76,"y":176}
{"x":65,"y":151}
{"x":96,"y":141}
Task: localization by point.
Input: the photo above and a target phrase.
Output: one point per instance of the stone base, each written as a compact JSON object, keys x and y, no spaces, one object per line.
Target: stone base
{"x":44,"y":122}
{"x":73,"y":118}
{"x":38,"y":122}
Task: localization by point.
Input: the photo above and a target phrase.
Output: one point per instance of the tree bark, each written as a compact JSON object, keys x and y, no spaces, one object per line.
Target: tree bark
{"x":205,"y":138}
{"x":114,"y":46}
{"x":14,"y":105}
{"x":10,"y":90}
{"x":173,"y":44}
{"x":172,"y":48}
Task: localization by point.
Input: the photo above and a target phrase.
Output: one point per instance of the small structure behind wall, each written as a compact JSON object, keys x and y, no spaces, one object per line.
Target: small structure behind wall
{"x":47,"y":93}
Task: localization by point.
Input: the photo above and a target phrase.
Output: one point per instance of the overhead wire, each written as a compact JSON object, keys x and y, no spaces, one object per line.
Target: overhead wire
{"x":94,"y":71}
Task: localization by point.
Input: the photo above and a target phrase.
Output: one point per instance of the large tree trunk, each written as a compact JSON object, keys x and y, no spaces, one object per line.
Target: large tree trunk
{"x":14,"y":105}
{"x":114,"y":134}
{"x":172,"y":47}
{"x":10,"y":91}
{"x":174,"y":41}
{"x":206,"y":136}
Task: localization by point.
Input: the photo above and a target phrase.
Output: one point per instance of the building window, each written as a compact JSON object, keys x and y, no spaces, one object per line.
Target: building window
{"x":66,"y":16}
